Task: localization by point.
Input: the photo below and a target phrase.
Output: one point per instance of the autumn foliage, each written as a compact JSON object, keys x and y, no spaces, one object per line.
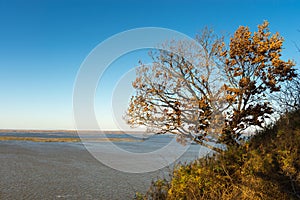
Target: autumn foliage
{"x":210,"y":92}
{"x":266,"y":167}
{"x":254,"y":69}
{"x":176,"y":94}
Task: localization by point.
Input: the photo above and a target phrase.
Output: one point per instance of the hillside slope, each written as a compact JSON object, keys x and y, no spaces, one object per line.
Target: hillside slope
{"x":266,"y":167}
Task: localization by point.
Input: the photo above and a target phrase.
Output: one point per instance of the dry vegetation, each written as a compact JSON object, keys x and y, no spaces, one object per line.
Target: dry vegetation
{"x":208,"y":91}
{"x":39,"y":139}
{"x":265,"y":167}
{"x":211,"y":95}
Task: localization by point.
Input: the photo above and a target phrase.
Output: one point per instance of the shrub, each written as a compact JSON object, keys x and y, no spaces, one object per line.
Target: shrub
{"x":265,"y":167}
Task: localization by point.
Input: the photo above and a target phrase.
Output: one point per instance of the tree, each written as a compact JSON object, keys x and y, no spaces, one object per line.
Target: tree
{"x":209,"y":93}
{"x":254,"y":70}
{"x":288,"y":99}
{"x":180,"y":90}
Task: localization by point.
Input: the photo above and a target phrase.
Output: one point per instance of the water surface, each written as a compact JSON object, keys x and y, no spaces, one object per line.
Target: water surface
{"x":66,"y":170}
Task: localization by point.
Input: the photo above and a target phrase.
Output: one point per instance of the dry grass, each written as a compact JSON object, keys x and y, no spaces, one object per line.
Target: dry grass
{"x":266,"y":167}
{"x":39,"y":139}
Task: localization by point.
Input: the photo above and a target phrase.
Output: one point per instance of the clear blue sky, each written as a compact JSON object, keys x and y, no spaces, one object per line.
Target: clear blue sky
{"x":43,"y":43}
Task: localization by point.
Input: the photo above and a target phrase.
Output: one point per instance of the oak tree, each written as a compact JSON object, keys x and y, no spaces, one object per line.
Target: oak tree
{"x":254,"y":70}
{"x":180,"y":91}
{"x":208,"y":92}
